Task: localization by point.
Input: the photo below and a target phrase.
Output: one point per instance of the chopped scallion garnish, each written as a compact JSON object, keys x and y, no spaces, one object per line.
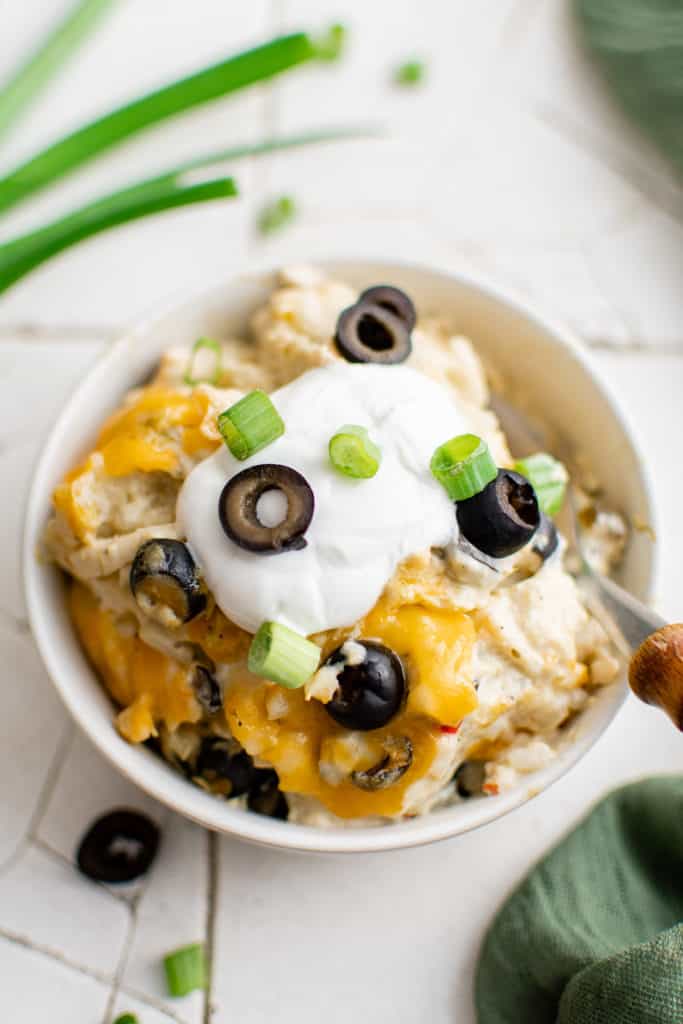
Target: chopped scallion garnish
{"x":282,"y":656}
{"x":276,"y":215}
{"x":463,"y":466}
{"x":250,"y":424}
{"x":548,"y":477}
{"x":353,"y":453}
{"x":185,"y":970}
{"x":213,"y":375}
{"x":411,"y":72}
{"x":126,"y":1018}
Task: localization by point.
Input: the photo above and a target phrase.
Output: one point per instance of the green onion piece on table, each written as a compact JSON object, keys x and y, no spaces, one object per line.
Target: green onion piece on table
{"x":126,"y":1018}
{"x":212,"y":377}
{"x":410,"y":73}
{"x":250,"y":424}
{"x":185,"y":970}
{"x":548,"y":477}
{"x":282,"y":656}
{"x":353,"y":453}
{"x":276,"y":215}
{"x":25,"y":84}
{"x":463,"y":466}
{"x":235,"y":73}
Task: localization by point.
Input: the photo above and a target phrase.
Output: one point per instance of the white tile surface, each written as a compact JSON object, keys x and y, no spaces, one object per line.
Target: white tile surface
{"x":36,"y":987}
{"x":510,"y":162}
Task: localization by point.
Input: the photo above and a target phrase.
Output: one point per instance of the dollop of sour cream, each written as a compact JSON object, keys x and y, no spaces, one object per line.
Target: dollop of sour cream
{"x":361,"y":529}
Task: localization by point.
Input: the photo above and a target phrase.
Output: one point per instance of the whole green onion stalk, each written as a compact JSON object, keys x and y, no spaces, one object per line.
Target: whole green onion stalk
{"x":25,"y":84}
{"x":177,"y":186}
{"x":255,"y":65}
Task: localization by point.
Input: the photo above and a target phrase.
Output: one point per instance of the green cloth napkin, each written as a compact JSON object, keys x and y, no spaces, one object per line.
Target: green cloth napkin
{"x":594,"y":934}
{"x":638,"y":45}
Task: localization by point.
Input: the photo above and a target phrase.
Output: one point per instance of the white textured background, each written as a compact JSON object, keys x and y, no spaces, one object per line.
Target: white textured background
{"x":509,"y":162}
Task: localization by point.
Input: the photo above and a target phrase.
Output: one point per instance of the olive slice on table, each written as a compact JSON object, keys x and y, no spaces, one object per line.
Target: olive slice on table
{"x":393,"y":299}
{"x":546,"y":538}
{"x":368,"y":333}
{"x":218,"y":760}
{"x":368,"y":694}
{"x":265,"y":796}
{"x":398,"y":757}
{"x":165,"y":582}
{"x":238,"y":509}
{"x":207,"y":689}
{"x":503,"y":517}
{"x":118,"y":847}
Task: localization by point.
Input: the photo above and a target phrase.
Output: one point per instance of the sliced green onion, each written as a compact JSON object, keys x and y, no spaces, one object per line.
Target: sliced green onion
{"x":410,"y":73}
{"x":250,"y":424}
{"x":276,"y":215}
{"x":185,"y":970}
{"x":463,"y":466}
{"x":126,"y":1018}
{"x":23,"y":87}
{"x":212,"y":378}
{"x":353,"y":453}
{"x":548,"y":477}
{"x":282,"y":656}
{"x":235,"y":73}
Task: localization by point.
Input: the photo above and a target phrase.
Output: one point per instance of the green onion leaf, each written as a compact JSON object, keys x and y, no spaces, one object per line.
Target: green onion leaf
{"x":23,"y":87}
{"x":412,"y":72}
{"x":282,"y":656}
{"x":353,"y":453}
{"x":21,"y":255}
{"x":235,"y":73}
{"x":185,"y":970}
{"x":330,"y":45}
{"x":548,"y":477}
{"x":463,"y":466}
{"x":215,"y":375}
{"x":165,"y":191}
{"x":250,"y":424}
{"x":126,"y":1018}
{"x":276,"y":215}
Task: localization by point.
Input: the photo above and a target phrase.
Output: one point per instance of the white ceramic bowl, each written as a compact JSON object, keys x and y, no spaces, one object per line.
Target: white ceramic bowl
{"x":542,"y":368}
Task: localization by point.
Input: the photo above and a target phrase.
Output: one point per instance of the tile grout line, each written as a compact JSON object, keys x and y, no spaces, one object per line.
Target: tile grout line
{"x":53,"y":954}
{"x":53,"y":770}
{"x":210,"y":929}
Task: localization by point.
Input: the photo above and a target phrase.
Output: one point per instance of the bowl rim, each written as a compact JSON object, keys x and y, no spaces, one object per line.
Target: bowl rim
{"x":158,"y":779}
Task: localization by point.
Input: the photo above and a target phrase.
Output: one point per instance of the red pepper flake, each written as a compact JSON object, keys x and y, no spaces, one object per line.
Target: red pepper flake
{"x":452,"y":729}
{"x":490,"y":788}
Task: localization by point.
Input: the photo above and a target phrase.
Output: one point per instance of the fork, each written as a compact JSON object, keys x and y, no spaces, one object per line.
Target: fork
{"x":655,"y":648}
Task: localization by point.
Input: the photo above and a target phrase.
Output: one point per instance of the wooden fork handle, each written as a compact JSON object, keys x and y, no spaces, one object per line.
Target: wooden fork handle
{"x":656,"y":671}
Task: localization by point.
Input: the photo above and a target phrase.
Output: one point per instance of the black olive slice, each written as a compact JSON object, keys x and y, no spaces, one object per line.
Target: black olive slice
{"x":237,"y":509}
{"x":265,"y":795}
{"x":397,"y":759}
{"x":118,"y":847}
{"x":165,"y":582}
{"x":218,"y":760}
{"x":368,"y":333}
{"x":207,"y":689}
{"x":469,"y":779}
{"x":546,"y":538}
{"x":503,"y":517}
{"x":369,"y":694}
{"x":393,"y":299}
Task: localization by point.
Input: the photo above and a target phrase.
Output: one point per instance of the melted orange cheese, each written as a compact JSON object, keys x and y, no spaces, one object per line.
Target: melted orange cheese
{"x":150,"y":686}
{"x":436,"y":646}
{"x":144,"y":436}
